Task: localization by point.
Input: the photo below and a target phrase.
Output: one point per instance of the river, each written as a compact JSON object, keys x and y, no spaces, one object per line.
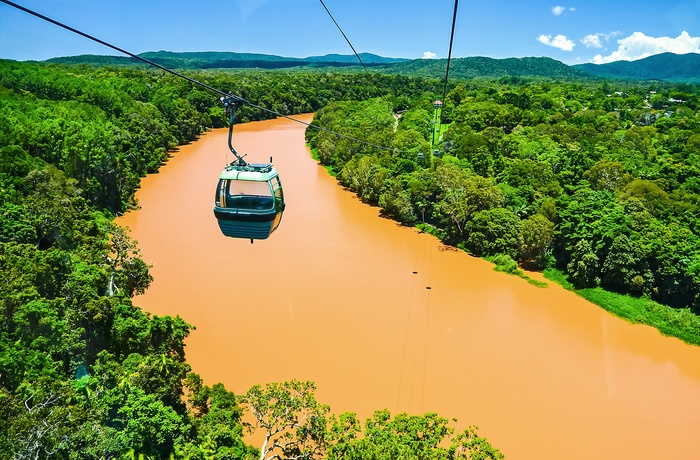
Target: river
{"x":332,"y":297}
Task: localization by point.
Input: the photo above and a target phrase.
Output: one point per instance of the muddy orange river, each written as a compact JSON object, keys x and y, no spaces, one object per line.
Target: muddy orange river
{"x":332,"y":297}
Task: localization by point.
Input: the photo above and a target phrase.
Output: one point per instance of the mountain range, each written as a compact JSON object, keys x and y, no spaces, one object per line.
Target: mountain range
{"x":679,"y":68}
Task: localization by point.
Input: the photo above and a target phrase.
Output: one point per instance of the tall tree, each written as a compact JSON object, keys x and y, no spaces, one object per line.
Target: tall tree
{"x":293,"y":422}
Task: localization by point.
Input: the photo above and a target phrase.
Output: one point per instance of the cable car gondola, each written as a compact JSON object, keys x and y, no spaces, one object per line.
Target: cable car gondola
{"x":249,"y":201}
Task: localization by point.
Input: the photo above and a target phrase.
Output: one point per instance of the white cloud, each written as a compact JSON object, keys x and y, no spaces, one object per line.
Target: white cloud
{"x":560,"y":41}
{"x":640,"y":46}
{"x":596,"y":40}
{"x":429,"y":55}
{"x":559,"y":10}
{"x":592,"y":41}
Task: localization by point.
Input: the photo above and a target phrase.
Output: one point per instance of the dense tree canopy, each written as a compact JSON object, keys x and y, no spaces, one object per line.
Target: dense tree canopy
{"x":598,"y":179}
{"x":85,"y":373}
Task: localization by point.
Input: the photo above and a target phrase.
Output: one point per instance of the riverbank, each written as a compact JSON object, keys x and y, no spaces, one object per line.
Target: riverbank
{"x":680,"y":323}
{"x":674,"y":322}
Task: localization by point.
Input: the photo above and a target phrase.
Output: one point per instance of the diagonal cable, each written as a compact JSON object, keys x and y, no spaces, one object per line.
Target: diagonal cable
{"x":346,"y":38}
{"x":449,"y":54}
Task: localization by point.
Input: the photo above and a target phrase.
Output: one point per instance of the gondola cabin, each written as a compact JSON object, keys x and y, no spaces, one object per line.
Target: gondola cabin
{"x":249,"y":201}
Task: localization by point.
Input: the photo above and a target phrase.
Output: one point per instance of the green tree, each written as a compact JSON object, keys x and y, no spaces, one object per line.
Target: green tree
{"x":52,"y":202}
{"x":293,"y":422}
{"x":654,"y":199}
{"x":607,"y":175}
{"x":404,"y":436}
{"x":395,"y":201}
{"x":216,"y":419}
{"x":39,"y":426}
{"x":417,"y":121}
{"x":620,"y":266}
{"x":150,"y":427}
{"x":468,"y":445}
{"x":126,"y":267}
{"x":537,"y":238}
{"x":365,"y":176}
{"x":461,"y":195}
{"x":494,"y":231}
{"x":583,"y":267}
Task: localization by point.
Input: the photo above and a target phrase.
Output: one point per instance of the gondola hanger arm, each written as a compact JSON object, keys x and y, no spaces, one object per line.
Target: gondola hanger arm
{"x":230,"y":103}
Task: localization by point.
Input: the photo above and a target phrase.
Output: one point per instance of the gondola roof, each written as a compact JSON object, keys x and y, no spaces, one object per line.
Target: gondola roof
{"x":250,"y":172}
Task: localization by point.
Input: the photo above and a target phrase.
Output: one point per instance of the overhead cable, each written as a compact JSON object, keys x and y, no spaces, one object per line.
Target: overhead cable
{"x":449,"y":54}
{"x":346,"y":38}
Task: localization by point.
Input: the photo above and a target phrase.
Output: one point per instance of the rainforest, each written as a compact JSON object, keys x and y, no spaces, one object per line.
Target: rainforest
{"x":594,"y":182}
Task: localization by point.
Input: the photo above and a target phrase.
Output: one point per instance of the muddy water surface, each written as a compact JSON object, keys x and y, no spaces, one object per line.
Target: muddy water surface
{"x":332,"y":297}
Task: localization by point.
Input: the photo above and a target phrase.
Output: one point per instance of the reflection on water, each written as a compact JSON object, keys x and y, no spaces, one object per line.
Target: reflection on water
{"x":339,"y":296}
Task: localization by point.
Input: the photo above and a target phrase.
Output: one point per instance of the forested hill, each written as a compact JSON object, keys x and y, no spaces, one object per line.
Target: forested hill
{"x":664,"y":67}
{"x":367,"y":58}
{"x":473,"y":67}
{"x":228,"y":60}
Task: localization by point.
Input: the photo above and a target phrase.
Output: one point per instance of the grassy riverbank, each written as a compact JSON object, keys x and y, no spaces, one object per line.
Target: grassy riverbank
{"x":329,"y":168}
{"x":502,"y":262}
{"x":674,"y":322}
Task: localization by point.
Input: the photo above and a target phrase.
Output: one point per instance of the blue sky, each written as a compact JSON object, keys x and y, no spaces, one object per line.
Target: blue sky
{"x":574,"y":32}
